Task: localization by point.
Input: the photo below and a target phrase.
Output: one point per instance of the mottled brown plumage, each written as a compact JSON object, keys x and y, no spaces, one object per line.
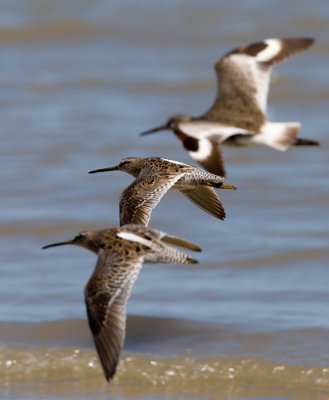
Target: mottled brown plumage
{"x":121,"y":252}
{"x":154,"y":177}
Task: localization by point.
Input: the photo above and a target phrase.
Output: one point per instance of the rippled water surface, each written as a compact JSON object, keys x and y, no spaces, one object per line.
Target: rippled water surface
{"x":79,"y":80}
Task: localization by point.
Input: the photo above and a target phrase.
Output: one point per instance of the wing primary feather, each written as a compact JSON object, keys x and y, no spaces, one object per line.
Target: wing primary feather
{"x":106,"y":294}
{"x":179,"y":242}
{"x":205,"y":198}
{"x":141,"y":196}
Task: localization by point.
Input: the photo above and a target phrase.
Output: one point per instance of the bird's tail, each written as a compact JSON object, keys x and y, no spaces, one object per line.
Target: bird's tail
{"x":280,"y":135}
{"x":305,"y":142}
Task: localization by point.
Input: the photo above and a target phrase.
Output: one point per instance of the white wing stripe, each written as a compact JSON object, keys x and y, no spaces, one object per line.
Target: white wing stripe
{"x":204,"y":150}
{"x":131,"y":236}
{"x":273,"y":48}
{"x":255,"y":76}
{"x":201,"y":129}
{"x":174,"y":162}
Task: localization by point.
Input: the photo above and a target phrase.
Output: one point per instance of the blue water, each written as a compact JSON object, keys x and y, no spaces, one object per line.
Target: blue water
{"x":79,"y":81}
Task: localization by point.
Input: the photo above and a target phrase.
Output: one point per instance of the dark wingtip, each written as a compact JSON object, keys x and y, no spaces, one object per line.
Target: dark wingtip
{"x":108,"y":377}
{"x":310,"y":41}
{"x":109,"y":373}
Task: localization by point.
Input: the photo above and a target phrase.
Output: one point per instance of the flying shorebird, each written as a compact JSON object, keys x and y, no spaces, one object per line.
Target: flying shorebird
{"x":121,"y":252}
{"x":154,"y":177}
{"x":238,"y":114}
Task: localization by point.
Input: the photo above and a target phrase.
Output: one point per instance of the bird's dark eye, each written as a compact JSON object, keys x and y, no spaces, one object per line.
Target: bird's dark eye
{"x":80,"y":236}
{"x":124,"y":163}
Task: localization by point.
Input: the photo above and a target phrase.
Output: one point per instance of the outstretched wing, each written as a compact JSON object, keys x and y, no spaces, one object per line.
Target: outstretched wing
{"x":202,"y":140}
{"x":206,"y":198}
{"x":243,"y":76}
{"x":140,"y":197}
{"x":179,"y":242}
{"x":154,"y":234}
{"x":154,"y":242}
{"x":106,"y":295}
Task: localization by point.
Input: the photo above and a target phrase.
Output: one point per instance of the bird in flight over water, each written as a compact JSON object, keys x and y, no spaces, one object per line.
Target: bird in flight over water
{"x":238,"y":114}
{"x":155,"y":176}
{"x":121,"y":253}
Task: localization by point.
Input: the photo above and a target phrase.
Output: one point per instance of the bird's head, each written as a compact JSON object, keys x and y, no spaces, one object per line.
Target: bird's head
{"x":131,"y":165}
{"x":88,"y":239}
{"x":171,"y":124}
